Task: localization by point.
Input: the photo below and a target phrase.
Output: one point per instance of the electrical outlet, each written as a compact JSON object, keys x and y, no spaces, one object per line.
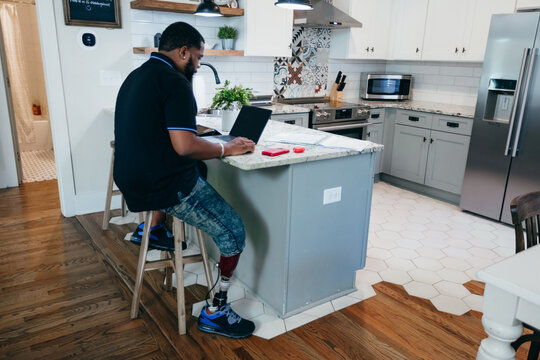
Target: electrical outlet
{"x":332,"y":195}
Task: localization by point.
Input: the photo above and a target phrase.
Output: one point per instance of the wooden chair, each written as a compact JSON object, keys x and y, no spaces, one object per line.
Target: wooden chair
{"x":110,"y":194}
{"x":176,"y":263}
{"x":525,"y":210}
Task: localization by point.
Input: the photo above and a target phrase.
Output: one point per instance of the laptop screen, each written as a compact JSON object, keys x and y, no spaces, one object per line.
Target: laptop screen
{"x":250,"y":122}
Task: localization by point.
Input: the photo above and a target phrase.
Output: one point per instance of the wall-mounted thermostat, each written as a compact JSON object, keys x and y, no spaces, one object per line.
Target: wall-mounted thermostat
{"x":88,"y":39}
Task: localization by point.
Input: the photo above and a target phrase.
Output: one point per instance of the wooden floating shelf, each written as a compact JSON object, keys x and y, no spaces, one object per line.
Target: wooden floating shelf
{"x":207,"y":52}
{"x":158,"y":5}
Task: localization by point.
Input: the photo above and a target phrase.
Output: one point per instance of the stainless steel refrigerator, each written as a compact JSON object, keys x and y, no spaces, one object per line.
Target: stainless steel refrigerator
{"x":504,"y":152}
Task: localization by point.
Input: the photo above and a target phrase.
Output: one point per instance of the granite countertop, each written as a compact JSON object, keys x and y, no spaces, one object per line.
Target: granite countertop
{"x":331,"y":146}
{"x":424,"y":106}
{"x":286,"y":109}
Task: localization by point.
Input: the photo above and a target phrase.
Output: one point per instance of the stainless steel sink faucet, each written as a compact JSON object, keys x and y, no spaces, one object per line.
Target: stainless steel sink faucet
{"x":213,"y":69}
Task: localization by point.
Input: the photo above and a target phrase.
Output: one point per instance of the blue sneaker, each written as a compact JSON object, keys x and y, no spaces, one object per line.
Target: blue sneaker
{"x":225,"y":322}
{"x":160,"y":238}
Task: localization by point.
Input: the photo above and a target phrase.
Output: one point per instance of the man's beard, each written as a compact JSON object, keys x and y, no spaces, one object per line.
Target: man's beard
{"x":190,"y":69}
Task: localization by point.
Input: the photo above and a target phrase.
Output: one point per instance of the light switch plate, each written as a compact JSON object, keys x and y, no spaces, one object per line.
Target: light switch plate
{"x":110,"y":78}
{"x":332,"y":195}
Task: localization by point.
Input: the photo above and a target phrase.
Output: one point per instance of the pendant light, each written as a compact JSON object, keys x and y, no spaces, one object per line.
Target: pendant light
{"x":294,"y":4}
{"x":208,"y":8}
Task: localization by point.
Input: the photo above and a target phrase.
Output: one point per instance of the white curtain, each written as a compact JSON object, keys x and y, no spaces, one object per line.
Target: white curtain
{"x":19,"y":79}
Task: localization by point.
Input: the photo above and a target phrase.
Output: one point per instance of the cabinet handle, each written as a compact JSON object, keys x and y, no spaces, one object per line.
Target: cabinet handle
{"x":414,"y":118}
{"x":375,"y":116}
{"x":417,"y":50}
{"x":369,"y":134}
{"x":290,"y":122}
{"x":462,"y":50}
{"x":457,"y":50}
{"x":425,"y":139}
{"x":431,"y":141}
{"x":452,"y":124}
{"x":372,"y":48}
{"x":367,"y":49}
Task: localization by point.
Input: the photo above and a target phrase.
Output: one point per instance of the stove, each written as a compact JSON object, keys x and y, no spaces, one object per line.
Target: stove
{"x":340,"y":118}
{"x":326,"y":112}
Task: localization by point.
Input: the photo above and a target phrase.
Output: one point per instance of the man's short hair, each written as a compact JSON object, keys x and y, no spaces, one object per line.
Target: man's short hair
{"x":180,"y":34}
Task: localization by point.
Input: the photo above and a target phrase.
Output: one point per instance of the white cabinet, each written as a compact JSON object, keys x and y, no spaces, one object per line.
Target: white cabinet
{"x":424,"y":154}
{"x":445,"y":29}
{"x":368,"y":42}
{"x":407,"y":40}
{"x":300,"y":119}
{"x":266,"y":30}
{"x":524,"y":4}
{"x":457,"y":30}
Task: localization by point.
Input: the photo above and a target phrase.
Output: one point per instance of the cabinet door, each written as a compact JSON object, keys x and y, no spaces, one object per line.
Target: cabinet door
{"x":527,"y":4}
{"x":409,"y":25}
{"x":445,"y":29}
{"x":371,"y":40}
{"x":475,"y":46}
{"x":300,"y":119}
{"x":409,"y":153}
{"x":446,"y":162}
{"x":268,"y":30}
{"x":375,"y":134}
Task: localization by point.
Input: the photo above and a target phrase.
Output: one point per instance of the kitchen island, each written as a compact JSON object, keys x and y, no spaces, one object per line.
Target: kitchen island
{"x":306,"y":215}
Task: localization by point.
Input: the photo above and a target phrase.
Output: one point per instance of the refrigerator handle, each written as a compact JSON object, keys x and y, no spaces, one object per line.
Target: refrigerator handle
{"x":516,"y":98}
{"x":523,"y":102}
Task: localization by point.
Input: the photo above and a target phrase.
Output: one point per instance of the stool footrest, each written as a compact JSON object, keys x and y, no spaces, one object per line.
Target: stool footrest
{"x":190,"y":259}
{"x":116,"y":192}
{"x":158,"y":264}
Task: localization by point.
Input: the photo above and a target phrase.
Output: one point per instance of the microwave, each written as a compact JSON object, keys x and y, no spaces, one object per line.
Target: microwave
{"x":385,"y":86}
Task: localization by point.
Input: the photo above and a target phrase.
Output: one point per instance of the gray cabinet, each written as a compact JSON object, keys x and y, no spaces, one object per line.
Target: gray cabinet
{"x":446,"y":161}
{"x":431,"y":149}
{"x":300,"y":119}
{"x":410,"y":153}
{"x":374,"y":133}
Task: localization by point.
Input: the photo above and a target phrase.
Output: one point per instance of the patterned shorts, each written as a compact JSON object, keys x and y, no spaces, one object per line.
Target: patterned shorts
{"x":205,"y":209}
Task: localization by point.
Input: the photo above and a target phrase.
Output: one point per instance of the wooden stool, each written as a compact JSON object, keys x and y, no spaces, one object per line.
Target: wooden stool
{"x":177,"y":265}
{"x":110,"y":194}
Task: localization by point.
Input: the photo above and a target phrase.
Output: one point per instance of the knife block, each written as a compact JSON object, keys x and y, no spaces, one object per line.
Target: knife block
{"x":333,"y":92}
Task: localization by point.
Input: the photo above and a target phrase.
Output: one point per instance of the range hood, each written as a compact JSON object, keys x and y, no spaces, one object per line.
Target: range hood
{"x":324,"y":15}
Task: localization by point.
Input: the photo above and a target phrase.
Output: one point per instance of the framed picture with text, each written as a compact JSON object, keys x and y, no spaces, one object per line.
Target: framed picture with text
{"x":100,"y":13}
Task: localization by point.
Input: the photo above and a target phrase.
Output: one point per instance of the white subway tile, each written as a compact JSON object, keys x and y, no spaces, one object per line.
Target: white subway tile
{"x":448,"y":89}
{"x":478,"y":71}
{"x":424,"y":69}
{"x":456,"y":71}
{"x":467,"y":81}
{"x":143,"y":28}
{"x":395,"y":68}
{"x":141,"y":15}
{"x":424,"y":87}
{"x":142,"y":40}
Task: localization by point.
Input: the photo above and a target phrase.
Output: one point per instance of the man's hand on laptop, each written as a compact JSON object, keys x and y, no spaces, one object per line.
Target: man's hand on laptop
{"x":239,"y":146}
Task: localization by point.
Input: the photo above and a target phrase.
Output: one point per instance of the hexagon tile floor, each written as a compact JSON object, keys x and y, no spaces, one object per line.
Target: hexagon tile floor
{"x":430,"y":247}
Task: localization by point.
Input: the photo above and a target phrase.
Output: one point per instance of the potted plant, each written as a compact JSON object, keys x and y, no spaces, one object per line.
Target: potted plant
{"x":227,"y":34}
{"x":230,"y":100}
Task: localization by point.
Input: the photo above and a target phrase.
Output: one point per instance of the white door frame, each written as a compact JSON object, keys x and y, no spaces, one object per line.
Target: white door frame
{"x":10,"y":163}
{"x":57,"y":105}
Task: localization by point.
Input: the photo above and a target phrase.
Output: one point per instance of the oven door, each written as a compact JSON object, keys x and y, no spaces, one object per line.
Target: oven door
{"x":353,"y":129}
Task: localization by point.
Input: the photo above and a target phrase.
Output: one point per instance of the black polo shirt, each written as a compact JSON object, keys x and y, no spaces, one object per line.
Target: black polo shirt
{"x":154,"y":99}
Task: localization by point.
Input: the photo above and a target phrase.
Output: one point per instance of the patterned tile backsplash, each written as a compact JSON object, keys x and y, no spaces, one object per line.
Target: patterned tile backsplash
{"x":305,"y":73}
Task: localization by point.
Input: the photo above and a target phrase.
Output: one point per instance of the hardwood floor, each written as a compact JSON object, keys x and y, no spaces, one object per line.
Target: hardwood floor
{"x":65,"y":293}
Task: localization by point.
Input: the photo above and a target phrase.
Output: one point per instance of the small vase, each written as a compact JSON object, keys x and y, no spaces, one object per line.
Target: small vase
{"x":228,"y":118}
{"x":227,"y":44}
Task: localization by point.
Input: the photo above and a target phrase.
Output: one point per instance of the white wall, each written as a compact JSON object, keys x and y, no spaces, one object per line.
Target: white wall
{"x":82,"y":127}
{"x":444,"y":82}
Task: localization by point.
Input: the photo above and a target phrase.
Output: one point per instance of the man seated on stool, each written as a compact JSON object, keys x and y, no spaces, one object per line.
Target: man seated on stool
{"x":156,"y":156}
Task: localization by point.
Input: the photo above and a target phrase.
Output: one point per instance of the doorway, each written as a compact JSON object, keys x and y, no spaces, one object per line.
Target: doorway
{"x":21,"y":52}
